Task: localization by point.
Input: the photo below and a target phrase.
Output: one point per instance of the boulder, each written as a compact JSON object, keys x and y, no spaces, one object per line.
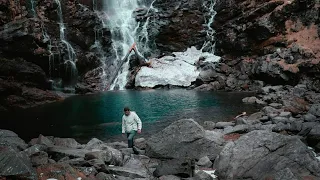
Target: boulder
{"x":126,"y":172}
{"x":59,"y":171}
{"x":40,"y":158}
{"x":204,"y":162}
{"x":66,"y":142}
{"x":10,"y":138}
{"x":140,"y":143}
{"x":14,"y":164}
{"x":178,"y":167}
{"x":315,"y":110}
{"x":262,"y":154}
{"x":181,"y":139}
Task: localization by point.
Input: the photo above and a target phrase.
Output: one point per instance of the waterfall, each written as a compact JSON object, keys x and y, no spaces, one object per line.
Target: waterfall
{"x":69,"y":63}
{"x":125,"y":30}
{"x":33,"y":8}
{"x":209,"y":45}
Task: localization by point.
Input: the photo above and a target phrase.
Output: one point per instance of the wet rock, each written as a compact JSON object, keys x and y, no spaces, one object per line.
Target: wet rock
{"x":10,"y":138}
{"x":266,"y":150}
{"x":14,"y":164}
{"x":183,"y":138}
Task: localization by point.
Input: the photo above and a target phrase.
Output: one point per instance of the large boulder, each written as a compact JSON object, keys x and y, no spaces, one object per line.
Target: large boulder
{"x":184,"y":139}
{"x":14,"y":164}
{"x":10,"y":138}
{"x":263,"y":154}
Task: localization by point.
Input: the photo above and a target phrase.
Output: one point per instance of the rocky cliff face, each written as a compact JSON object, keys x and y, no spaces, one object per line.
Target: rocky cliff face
{"x":268,"y":42}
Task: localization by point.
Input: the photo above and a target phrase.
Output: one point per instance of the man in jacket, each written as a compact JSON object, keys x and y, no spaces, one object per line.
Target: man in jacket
{"x":131,"y":125}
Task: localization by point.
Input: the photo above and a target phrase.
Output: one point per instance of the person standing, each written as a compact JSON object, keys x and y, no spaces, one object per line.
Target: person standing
{"x":131,"y":125}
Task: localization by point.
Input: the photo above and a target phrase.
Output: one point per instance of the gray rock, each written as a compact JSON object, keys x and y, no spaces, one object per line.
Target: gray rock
{"x":210,"y":125}
{"x":284,"y":174}
{"x":64,"y":151}
{"x":224,"y":124}
{"x":95,"y":143}
{"x":44,"y":141}
{"x":169,"y":177}
{"x":35,"y":149}
{"x":181,"y":167}
{"x":299,"y":92}
{"x":241,"y":120}
{"x":285,"y":114}
{"x":279,"y":119}
{"x":275,"y":105}
{"x":66,"y":142}
{"x":183,"y":138}
{"x":117,"y":145}
{"x":269,"y":110}
{"x":201,"y":175}
{"x":315,"y":110}
{"x":40,"y":158}
{"x":12,"y":139}
{"x":14,"y":164}
{"x":259,"y":154}
{"x":140,"y":143}
{"x":309,"y":117}
{"x":104,"y":176}
{"x":204,"y":162}
{"x":126,"y":172}
{"x":236,"y":129}
{"x":255,"y":116}
{"x":88,"y":170}
{"x":250,"y":100}
{"x":264,"y":119}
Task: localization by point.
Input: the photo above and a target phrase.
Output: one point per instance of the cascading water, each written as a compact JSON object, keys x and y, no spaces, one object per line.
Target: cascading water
{"x":209,"y":45}
{"x":125,"y":31}
{"x":69,"y":61}
{"x":33,"y":7}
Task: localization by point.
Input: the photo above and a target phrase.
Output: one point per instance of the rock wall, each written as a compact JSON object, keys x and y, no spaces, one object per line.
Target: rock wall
{"x":266,"y":42}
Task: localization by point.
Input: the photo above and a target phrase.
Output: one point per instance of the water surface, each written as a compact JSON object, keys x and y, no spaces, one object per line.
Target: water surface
{"x":99,"y":115}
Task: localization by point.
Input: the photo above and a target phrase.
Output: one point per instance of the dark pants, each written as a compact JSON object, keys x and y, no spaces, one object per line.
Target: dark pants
{"x":130,"y":137}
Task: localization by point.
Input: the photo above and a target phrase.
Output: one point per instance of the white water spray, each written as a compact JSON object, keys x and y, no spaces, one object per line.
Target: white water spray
{"x":209,"y":45}
{"x":70,"y":62}
{"x":125,"y":31}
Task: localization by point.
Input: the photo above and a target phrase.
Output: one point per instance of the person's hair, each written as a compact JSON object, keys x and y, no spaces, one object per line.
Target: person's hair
{"x":126,"y":109}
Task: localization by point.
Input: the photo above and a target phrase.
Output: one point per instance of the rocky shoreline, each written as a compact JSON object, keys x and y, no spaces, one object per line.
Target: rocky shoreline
{"x":281,"y":141}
